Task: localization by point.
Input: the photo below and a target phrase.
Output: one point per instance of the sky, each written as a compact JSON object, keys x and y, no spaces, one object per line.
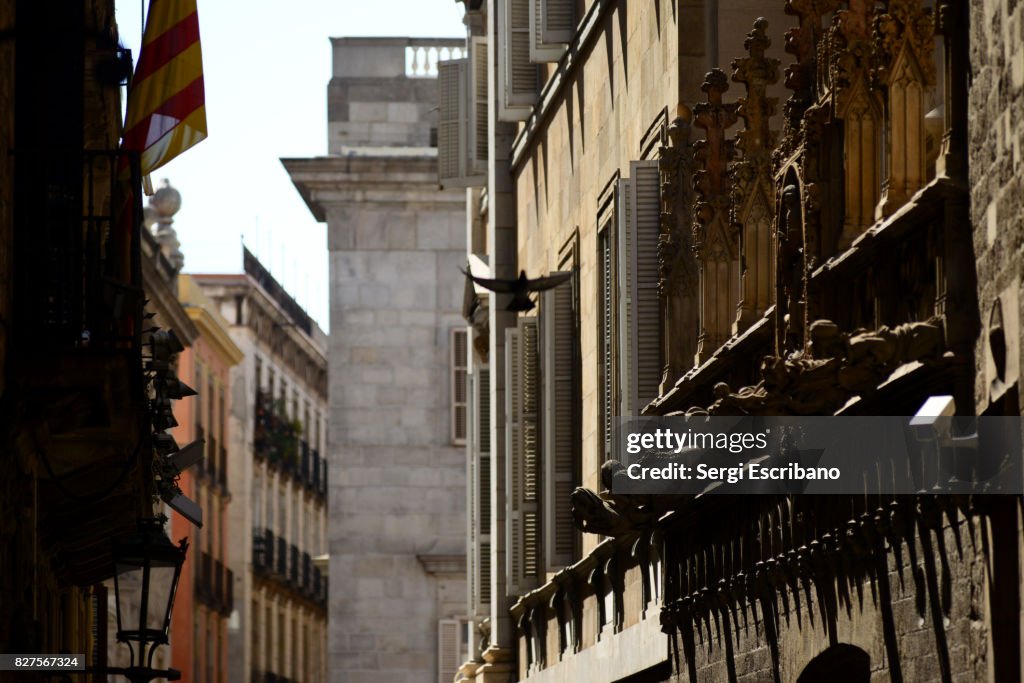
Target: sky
{"x":266,"y":68}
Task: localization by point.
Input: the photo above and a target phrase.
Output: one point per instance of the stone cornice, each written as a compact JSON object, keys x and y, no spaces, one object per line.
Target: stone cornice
{"x":443,"y":564}
{"x":384,"y":175}
{"x":212,"y":327}
{"x":164,"y":301}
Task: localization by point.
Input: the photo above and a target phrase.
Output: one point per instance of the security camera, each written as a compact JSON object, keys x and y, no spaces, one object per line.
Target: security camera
{"x":934,"y":419}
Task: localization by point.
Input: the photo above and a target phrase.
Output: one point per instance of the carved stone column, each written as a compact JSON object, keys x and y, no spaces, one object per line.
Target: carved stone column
{"x":904,"y":38}
{"x":752,"y":209}
{"x":716,"y":243}
{"x":677,"y":267}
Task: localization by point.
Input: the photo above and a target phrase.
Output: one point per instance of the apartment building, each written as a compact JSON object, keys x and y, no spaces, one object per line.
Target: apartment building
{"x":205,"y":598}
{"x":749,"y":196}
{"x":277,"y":478}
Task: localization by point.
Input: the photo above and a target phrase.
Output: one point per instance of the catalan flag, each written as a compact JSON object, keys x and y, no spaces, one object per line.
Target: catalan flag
{"x":166,"y":103}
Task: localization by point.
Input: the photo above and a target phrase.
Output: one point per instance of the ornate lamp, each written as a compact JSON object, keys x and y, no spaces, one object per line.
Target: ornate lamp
{"x":147,"y":567}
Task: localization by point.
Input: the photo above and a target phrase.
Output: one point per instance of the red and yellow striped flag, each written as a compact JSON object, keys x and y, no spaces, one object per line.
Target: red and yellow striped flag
{"x":166,"y":102}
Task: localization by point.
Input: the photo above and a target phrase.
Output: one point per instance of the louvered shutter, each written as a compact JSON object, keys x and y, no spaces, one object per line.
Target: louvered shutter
{"x":480,"y":495}
{"x":558,"y":21}
{"x":549,"y":46}
{"x":523,"y":526}
{"x":449,"y":650}
{"x":607,"y":340}
{"x":483,"y":387}
{"x":560,"y":452}
{"x":517,"y":75}
{"x":646,"y":207}
{"x":478,"y":106}
{"x":472,"y":497}
{"x":452,"y":123}
{"x":639,"y":303}
{"x":459,"y":358}
{"x":626,"y":280}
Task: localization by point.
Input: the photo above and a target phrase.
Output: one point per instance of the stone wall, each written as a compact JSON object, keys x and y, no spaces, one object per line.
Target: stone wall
{"x":996,"y":138}
{"x":383,"y":92}
{"x":640,"y":63}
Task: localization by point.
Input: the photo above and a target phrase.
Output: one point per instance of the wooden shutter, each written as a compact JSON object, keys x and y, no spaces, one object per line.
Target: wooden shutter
{"x":558,"y":21}
{"x":607,"y":340}
{"x":639,"y":303}
{"x":542,"y":49}
{"x":646,"y":207}
{"x":517,"y":75}
{"x":483,"y":388}
{"x":625,"y":279}
{"x":472,"y":498}
{"x":449,"y":649}
{"x":459,"y":358}
{"x":449,"y":119}
{"x":455,"y":111}
{"x":478,"y":105}
{"x":559,"y":429}
{"x":522,"y":455}
{"x":479,"y":561}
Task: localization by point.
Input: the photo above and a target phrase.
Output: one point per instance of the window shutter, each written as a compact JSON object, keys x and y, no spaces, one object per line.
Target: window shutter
{"x":560,"y":452}
{"x":483,"y":564}
{"x":479,"y":560}
{"x":558,"y":21}
{"x":646,"y":207}
{"x":639,"y":302}
{"x":550,"y":45}
{"x":607,"y":340}
{"x":523,"y":529}
{"x":459,"y":359}
{"x":472,"y":497}
{"x":449,"y":650}
{"x":516,"y":73}
{"x":454,"y":121}
{"x":478,"y":105}
{"x":626,"y":279}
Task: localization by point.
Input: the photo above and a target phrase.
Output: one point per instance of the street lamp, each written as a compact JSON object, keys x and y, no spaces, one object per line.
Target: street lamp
{"x":146,"y":571}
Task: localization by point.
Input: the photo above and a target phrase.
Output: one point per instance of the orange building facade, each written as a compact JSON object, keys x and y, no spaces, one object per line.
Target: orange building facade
{"x":205,"y":596}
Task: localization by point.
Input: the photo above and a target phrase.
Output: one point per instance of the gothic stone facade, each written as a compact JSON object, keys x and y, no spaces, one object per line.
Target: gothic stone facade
{"x":826,"y":229}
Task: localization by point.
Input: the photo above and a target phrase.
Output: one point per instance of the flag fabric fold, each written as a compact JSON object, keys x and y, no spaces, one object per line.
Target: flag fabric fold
{"x":166,"y":102}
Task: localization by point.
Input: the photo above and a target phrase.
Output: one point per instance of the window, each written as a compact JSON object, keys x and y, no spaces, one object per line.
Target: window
{"x":629,"y":323}
{"x":452,"y":648}
{"x":257,"y":651}
{"x":458,"y":348}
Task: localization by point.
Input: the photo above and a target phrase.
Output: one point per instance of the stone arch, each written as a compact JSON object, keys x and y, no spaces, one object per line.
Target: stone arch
{"x":840,"y":663}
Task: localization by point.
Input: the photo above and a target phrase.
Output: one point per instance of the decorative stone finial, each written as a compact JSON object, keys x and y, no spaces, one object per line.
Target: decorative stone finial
{"x":164,"y":204}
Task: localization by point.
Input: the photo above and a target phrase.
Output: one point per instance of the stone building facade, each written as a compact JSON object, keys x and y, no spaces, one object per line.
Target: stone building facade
{"x":277,"y":476}
{"x":786,"y":208}
{"x":76,"y":462}
{"x":397,"y":357}
{"x":205,"y":596}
